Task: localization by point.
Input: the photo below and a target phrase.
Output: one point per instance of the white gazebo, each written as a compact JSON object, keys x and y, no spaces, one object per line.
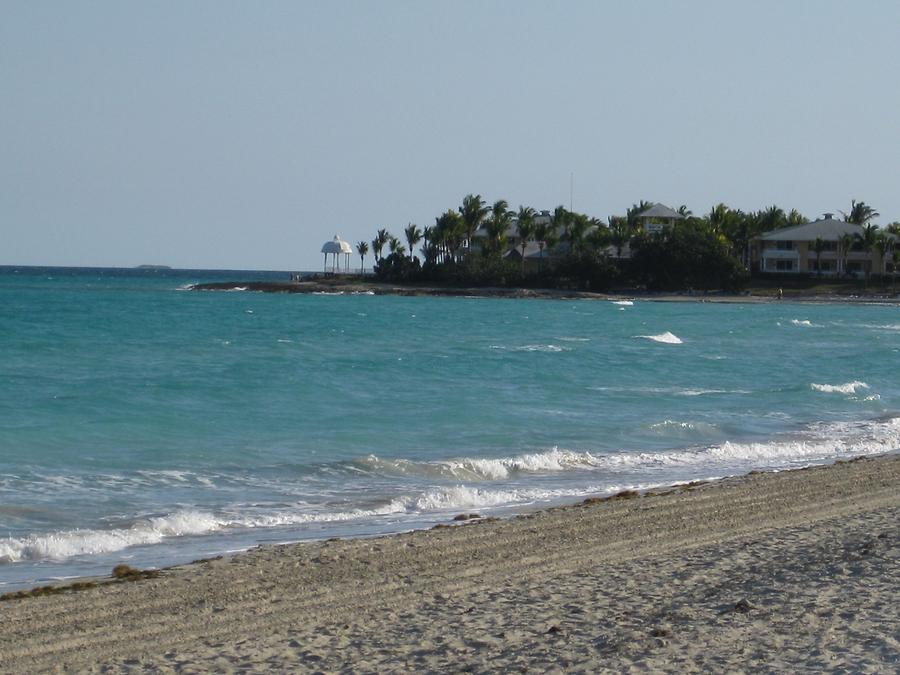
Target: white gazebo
{"x":336,"y":247}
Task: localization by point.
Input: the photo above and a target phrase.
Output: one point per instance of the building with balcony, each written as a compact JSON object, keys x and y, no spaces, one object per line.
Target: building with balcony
{"x":793,"y":250}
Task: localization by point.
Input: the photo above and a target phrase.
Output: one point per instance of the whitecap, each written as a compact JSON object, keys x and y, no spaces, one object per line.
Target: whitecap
{"x":665,"y":338}
{"x":624,"y":303}
{"x":806,"y":323}
{"x":847,"y":388}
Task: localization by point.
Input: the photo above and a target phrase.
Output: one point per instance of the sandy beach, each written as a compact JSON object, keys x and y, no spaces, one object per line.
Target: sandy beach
{"x":767,"y":572}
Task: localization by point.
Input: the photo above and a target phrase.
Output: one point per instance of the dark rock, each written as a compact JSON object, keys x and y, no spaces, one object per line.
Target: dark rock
{"x":742,"y":606}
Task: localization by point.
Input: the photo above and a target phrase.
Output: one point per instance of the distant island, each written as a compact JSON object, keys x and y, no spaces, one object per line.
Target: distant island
{"x":152,"y":267}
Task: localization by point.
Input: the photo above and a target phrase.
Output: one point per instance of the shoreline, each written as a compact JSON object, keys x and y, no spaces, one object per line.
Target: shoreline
{"x":360,"y":287}
{"x":765,"y":570}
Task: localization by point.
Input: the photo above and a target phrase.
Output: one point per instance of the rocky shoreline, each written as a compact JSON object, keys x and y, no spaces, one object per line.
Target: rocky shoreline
{"x":338,"y":286}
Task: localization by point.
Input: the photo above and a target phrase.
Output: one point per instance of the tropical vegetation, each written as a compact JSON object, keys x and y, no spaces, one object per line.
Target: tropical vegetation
{"x":488,"y":245}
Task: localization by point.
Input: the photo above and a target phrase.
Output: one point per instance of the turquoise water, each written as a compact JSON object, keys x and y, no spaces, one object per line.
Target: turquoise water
{"x":145,"y":423}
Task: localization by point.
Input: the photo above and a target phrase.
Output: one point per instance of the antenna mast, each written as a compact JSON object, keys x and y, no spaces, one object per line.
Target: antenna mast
{"x":571,"y":191}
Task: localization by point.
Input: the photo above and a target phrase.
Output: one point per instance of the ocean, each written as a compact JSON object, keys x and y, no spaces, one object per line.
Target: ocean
{"x":144,"y":423}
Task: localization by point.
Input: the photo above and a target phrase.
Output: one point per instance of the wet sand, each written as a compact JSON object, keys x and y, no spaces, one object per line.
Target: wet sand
{"x":777,"y":572}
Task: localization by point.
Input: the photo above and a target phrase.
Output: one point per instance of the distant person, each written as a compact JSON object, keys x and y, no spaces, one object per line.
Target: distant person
{"x":780,"y":294}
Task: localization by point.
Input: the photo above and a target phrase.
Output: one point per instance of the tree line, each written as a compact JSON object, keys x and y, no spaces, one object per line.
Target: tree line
{"x":705,"y":252}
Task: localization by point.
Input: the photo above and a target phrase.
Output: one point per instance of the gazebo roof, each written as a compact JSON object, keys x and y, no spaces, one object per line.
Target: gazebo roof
{"x":337,"y":245}
{"x":660,"y":211}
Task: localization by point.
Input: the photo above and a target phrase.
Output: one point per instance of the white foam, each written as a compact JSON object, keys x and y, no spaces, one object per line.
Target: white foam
{"x":681,"y":428}
{"x":707,"y":392}
{"x":541,"y":348}
{"x":848,"y":388}
{"x":624,"y":303}
{"x":468,"y":468}
{"x":884,"y":326}
{"x":805,"y":323}
{"x":614,"y":471}
{"x":666,"y":338}
{"x":70,"y":543}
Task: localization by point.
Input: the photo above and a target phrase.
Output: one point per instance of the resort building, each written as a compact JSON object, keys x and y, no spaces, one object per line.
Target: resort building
{"x":827,"y":246}
{"x":657,"y":217}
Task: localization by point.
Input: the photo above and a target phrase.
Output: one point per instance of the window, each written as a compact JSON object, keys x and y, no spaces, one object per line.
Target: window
{"x":784,"y":245}
{"x":784,"y":265}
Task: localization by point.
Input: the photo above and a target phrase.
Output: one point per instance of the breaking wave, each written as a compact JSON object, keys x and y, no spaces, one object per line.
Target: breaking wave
{"x":666,"y":338}
{"x":848,"y":388}
{"x":498,"y":483}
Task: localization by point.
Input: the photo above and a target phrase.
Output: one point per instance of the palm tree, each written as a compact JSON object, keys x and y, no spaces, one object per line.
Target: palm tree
{"x":496,"y":226}
{"x":882,"y":245}
{"x":561,"y":220}
{"x":396,"y":246}
{"x":795,"y":218}
{"x":413,"y":237}
{"x":845,"y":243}
{"x":619,"y":233}
{"x":598,"y":238}
{"x":378,"y":243}
{"x":631,"y":215}
{"x":473,"y":212}
{"x":524,"y":229}
{"x":860,"y":213}
{"x":867,"y":241}
{"x":578,"y":228}
{"x":685,"y":211}
{"x":545,"y":236}
{"x":426,"y":237}
{"x":895,"y":259}
{"x":772,"y":218}
{"x":362,"y":248}
{"x":818,"y":247}
{"x":449,"y":229}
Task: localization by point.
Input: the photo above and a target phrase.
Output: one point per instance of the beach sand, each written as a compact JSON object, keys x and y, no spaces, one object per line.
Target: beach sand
{"x":782,"y":572}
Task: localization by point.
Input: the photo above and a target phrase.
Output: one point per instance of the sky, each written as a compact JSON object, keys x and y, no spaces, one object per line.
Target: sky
{"x":243,"y":135}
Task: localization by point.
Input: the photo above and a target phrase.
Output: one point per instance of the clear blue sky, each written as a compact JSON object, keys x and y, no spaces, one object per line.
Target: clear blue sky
{"x":245,"y":134}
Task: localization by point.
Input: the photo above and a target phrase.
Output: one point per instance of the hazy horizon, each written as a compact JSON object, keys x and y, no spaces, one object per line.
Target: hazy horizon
{"x":220,"y":135}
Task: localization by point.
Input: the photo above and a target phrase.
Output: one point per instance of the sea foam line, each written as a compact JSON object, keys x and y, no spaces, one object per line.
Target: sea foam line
{"x":822,"y":442}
